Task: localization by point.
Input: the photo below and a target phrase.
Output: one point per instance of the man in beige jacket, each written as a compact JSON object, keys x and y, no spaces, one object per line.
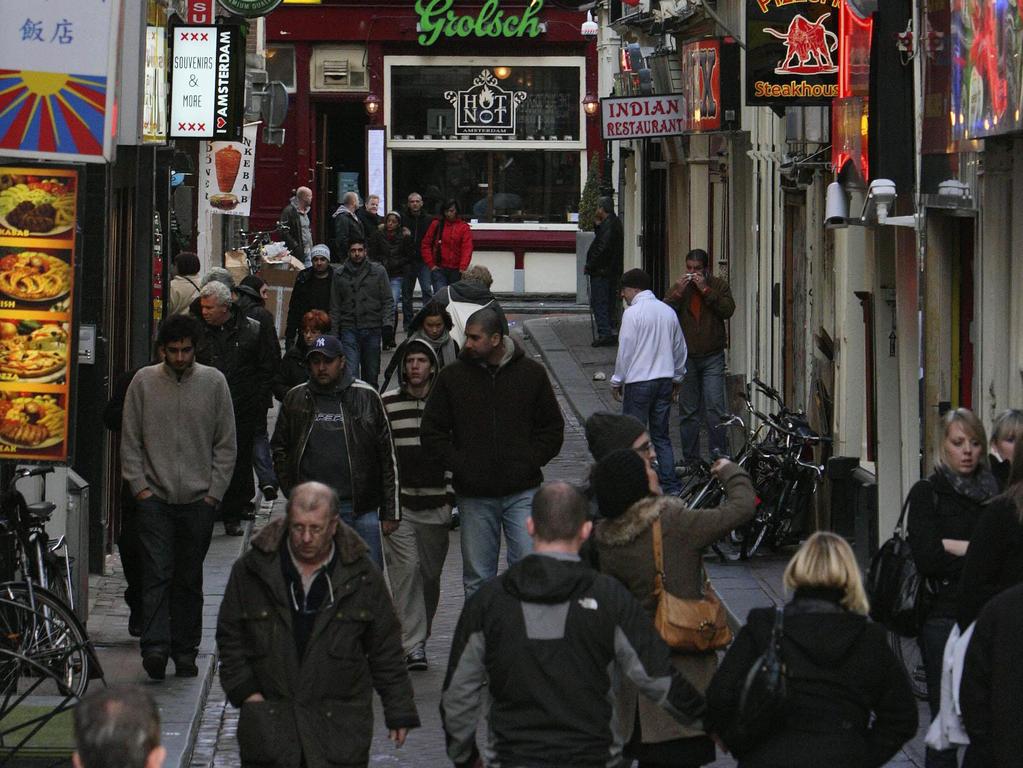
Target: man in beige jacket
{"x":177,"y":457}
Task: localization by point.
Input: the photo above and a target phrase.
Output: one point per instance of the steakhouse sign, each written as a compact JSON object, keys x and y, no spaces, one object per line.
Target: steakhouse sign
{"x":792,"y":52}
{"x":642,"y":117}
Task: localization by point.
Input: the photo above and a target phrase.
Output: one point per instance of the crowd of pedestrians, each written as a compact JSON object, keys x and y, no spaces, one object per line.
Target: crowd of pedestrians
{"x":603,"y":642}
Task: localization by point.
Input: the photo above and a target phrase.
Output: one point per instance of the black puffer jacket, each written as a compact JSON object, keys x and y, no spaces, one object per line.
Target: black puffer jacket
{"x":293,"y":370}
{"x":994,"y":561}
{"x":496,"y":428}
{"x":839,"y":671}
{"x":238,"y":349}
{"x":992,"y":681}
{"x":392,"y":249}
{"x":936,"y":512}
{"x":371,"y":456}
{"x":318,"y":710}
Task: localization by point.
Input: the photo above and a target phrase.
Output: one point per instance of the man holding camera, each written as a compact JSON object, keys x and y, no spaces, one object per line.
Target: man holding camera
{"x":702,"y":302}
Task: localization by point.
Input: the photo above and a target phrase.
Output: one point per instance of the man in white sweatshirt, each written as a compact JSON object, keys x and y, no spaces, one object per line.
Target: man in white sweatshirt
{"x":650,"y":366}
{"x":177,"y":457}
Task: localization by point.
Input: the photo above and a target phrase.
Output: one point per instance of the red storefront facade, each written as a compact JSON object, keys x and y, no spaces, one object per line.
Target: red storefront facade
{"x":496,"y":123}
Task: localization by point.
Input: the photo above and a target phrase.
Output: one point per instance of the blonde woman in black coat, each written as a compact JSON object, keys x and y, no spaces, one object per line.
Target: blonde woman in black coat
{"x":943,"y":511}
{"x":848,"y":700}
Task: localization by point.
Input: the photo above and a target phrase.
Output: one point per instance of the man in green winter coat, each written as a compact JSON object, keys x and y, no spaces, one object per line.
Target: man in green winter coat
{"x":305,"y":632}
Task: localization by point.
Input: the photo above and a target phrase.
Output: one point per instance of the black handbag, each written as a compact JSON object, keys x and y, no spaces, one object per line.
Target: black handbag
{"x":762,"y":701}
{"x":898,"y":593}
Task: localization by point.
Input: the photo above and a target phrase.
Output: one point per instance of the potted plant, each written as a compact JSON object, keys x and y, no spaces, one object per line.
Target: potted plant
{"x":584,"y":236}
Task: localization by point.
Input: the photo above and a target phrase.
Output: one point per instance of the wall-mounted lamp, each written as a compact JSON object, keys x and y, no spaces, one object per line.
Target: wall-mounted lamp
{"x":591,"y":105}
{"x":502,"y":73}
{"x":589,"y":27}
{"x":372,"y":104}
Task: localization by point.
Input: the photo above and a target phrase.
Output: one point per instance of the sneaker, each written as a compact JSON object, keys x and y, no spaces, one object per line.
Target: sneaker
{"x":416,"y":660}
{"x":456,"y":519}
{"x":185,"y":666}
{"x":269,"y":492}
{"x":232,"y":529}
{"x":155,"y":664}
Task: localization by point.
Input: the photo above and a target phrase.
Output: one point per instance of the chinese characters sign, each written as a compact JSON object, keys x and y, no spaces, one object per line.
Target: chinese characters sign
{"x":226,"y":174}
{"x":791,"y":52}
{"x":486,"y":108}
{"x":38,"y":218}
{"x":57,"y":61}
{"x":710,"y":90}
{"x":987,"y":68}
{"x":206,"y":83}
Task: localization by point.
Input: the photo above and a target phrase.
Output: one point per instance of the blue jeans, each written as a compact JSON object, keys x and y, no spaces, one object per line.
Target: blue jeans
{"x":650,"y":402}
{"x":367,"y":525}
{"x":421,"y":272}
{"x":933,"y":636}
{"x":483,"y":517}
{"x":362,"y":353}
{"x":601,"y":299}
{"x":703,"y":400}
{"x":262,"y":461}
{"x":443,"y":277}
{"x":396,"y":283}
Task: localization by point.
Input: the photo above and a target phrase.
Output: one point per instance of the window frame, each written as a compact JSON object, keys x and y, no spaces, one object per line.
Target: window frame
{"x":484,"y":144}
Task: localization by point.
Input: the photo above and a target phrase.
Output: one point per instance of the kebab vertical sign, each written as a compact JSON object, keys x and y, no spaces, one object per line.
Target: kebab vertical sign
{"x":207,"y":83}
{"x":791,"y":52}
{"x":226,"y":173}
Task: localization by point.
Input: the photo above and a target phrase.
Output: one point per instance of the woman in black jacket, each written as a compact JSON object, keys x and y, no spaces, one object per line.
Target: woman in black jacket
{"x":1006,"y":429}
{"x":392,"y":248}
{"x":943,"y":511}
{"x":994,"y":561}
{"x":848,"y":702}
{"x":293,"y":370}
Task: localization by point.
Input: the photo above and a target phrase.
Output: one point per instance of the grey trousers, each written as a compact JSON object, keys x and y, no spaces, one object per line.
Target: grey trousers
{"x":415,"y":555}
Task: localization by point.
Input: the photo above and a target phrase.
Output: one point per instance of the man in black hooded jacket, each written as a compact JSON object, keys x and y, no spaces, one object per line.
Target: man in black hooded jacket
{"x":551,"y":617}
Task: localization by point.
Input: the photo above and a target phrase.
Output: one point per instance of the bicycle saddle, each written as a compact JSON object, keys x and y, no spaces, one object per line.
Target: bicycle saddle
{"x":41,"y":510}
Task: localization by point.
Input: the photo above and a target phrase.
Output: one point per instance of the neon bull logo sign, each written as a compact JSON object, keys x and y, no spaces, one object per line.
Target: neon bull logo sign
{"x":486,"y":108}
{"x":808,"y":47}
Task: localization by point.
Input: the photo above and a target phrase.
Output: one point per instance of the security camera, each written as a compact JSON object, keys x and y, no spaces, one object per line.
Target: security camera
{"x":836,"y":210}
{"x":881,"y":194}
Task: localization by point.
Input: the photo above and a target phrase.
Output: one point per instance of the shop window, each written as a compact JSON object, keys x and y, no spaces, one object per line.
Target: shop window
{"x":549,"y":109}
{"x":280,"y":65}
{"x":524,"y":187}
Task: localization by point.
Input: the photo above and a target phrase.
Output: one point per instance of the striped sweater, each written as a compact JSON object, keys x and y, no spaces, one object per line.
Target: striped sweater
{"x":424,"y":482}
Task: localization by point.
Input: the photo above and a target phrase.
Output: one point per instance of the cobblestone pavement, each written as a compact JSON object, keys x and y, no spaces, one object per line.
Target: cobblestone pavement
{"x":215,"y":741}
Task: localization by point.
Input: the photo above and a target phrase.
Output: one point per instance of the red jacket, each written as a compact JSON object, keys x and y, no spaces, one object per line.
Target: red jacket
{"x":455,"y":245}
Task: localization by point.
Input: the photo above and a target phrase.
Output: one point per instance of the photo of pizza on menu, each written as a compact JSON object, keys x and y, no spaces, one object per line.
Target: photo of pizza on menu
{"x":33,"y":350}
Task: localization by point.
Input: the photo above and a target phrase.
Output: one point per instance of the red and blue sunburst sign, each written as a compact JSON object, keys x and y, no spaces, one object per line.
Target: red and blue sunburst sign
{"x":57,"y":75}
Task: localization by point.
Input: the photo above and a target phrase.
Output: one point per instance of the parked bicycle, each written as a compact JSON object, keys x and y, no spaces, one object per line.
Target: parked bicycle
{"x":255,"y":242}
{"x":778,"y":455}
{"x":41,"y":640}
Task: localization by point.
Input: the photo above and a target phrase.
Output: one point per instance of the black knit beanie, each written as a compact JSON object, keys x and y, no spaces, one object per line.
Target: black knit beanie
{"x":620,"y":481}
{"x":606,"y":432}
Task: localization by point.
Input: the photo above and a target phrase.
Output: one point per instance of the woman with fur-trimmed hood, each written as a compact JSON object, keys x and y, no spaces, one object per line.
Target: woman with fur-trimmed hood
{"x":630,"y":500}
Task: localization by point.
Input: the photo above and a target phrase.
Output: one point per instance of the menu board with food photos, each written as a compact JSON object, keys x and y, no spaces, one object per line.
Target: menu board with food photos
{"x":38,"y":217}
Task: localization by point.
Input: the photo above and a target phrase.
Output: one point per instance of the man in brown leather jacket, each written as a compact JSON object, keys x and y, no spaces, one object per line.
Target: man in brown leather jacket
{"x":306,"y":631}
{"x":703,"y":302}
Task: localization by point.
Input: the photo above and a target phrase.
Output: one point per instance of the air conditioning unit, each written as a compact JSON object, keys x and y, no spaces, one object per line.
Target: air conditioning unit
{"x":336,"y":69}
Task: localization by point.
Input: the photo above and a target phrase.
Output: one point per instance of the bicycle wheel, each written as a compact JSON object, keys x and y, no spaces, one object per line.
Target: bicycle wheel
{"x":44,"y":634}
{"x":907,"y":651}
